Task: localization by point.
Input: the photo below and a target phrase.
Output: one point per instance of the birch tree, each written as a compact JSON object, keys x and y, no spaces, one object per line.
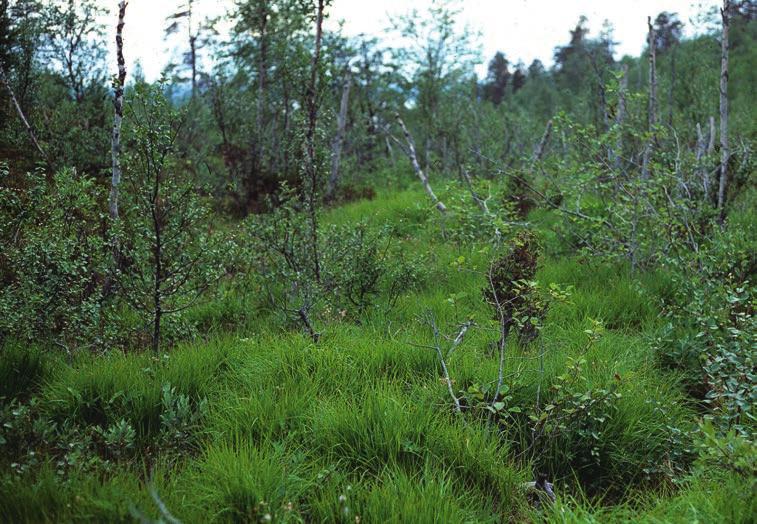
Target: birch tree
{"x":336,"y":154}
{"x":620,"y":117}
{"x":118,"y":103}
{"x":311,"y":161}
{"x":725,"y":152}
{"x":652,"y":105}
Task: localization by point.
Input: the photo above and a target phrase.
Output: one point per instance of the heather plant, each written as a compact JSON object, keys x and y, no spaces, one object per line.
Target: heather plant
{"x":512,"y":291}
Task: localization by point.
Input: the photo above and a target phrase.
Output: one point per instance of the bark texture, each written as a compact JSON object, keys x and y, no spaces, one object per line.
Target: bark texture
{"x":115,"y":146}
{"x":311,"y":168}
{"x":725,"y":152}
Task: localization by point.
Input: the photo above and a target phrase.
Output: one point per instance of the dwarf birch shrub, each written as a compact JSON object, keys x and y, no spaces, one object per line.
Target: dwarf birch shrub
{"x":54,"y":258}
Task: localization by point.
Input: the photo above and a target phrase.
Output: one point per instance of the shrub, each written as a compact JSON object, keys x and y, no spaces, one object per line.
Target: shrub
{"x":363,"y":264}
{"x":54,"y":257}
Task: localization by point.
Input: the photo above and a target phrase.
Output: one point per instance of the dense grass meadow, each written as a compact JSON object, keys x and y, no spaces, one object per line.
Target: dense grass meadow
{"x":249,"y":422}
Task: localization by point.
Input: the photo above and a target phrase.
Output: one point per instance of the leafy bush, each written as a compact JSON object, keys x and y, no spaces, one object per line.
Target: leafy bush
{"x":466,"y":222}
{"x":364,"y":264}
{"x":360,"y":266}
{"x":180,"y":419}
{"x":55,"y":255}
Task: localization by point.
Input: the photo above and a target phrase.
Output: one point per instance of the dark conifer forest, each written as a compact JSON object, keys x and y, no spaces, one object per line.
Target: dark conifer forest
{"x":309,"y":276}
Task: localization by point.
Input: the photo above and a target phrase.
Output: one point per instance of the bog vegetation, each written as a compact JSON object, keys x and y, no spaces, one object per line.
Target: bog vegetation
{"x":306,"y":277}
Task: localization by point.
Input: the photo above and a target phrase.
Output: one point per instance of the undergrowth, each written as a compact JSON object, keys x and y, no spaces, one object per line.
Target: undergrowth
{"x":254,"y":422}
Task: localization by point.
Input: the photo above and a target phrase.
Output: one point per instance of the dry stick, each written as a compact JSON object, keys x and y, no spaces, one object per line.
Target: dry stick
{"x":542,"y":145}
{"x":459,"y":338}
{"x":336,"y":155}
{"x":305,"y":318}
{"x":480,"y":202}
{"x":700,"y":153}
{"x":118,"y":84}
{"x":711,"y":144}
{"x":504,"y":330}
{"x":22,"y":117}
{"x":724,"y":148}
{"x":652,"y":109}
{"x":411,"y":153}
{"x":440,"y":354}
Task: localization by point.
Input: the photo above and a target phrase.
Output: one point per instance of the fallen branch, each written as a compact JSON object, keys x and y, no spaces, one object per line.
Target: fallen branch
{"x":441,"y":355}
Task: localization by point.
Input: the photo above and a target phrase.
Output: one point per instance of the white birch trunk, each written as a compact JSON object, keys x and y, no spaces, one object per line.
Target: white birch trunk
{"x":700,"y":155}
{"x":725,"y":152}
{"x":712,"y":137}
{"x":336,"y":154}
{"x":115,"y":147}
{"x":411,"y":152}
{"x":652,"y":110}
{"x":542,"y":145}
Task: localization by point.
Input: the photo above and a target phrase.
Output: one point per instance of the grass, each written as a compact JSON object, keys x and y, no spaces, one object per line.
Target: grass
{"x":360,"y":425}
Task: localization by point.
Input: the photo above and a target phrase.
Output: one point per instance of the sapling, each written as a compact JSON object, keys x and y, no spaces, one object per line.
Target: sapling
{"x":170,"y":258}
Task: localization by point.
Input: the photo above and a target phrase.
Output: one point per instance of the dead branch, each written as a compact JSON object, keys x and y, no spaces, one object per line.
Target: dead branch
{"x":22,"y":117}
{"x":411,"y":153}
{"x":336,"y":153}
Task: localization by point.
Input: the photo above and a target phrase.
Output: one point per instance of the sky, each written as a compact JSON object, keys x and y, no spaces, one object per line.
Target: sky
{"x":523,"y":29}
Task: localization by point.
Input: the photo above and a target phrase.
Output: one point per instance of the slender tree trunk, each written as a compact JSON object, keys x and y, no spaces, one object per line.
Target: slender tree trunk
{"x":390,"y":151}
{"x":700,"y":155}
{"x":310,"y":145}
{"x":260,"y":119}
{"x":672,"y":84}
{"x":541,"y":147}
{"x":620,"y":117}
{"x":411,"y":152}
{"x":193,"y":59}
{"x":652,"y":109}
{"x":725,"y":152}
{"x":22,"y":117}
{"x":287,"y":124}
{"x":480,"y":202}
{"x":115,"y":146}
{"x":157,"y":221}
{"x":192,"y":49}
{"x":336,"y":154}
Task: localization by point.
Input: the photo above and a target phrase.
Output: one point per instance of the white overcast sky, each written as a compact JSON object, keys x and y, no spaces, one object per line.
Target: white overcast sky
{"x":522,"y":29}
